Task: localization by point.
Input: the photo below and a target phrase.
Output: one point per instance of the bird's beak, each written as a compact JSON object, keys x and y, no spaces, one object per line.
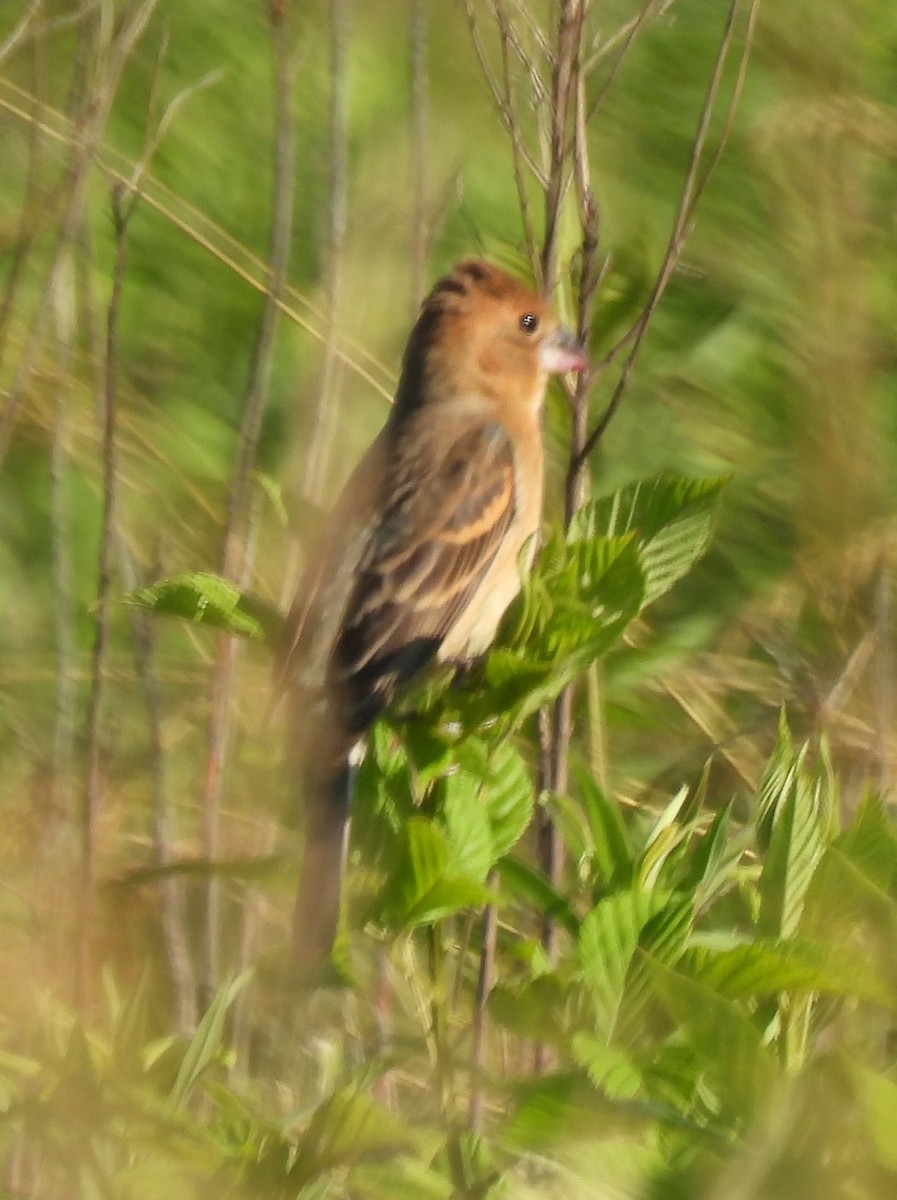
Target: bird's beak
{"x":561,"y":351}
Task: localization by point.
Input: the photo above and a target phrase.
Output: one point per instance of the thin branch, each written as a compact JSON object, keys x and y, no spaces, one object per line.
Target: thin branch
{"x":324,"y":427}
{"x":85,"y":146}
{"x":420,"y":234}
{"x":628,"y":33}
{"x":518,"y":155}
{"x":92,"y":737}
{"x":173,"y":914}
{"x":19,"y":31}
{"x":485,"y":984}
{"x":348,"y":351}
{"x":497,"y":95}
{"x":239,"y":527}
{"x":691,"y":190}
{"x":565,"y":71}
{"x":63,"y":587}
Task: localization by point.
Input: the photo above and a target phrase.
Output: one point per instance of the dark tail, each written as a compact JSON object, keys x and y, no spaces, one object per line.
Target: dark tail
{"x":316,"y":915}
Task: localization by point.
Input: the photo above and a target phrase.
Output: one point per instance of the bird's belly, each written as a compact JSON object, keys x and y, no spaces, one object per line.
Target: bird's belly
{"x":473,"y":632}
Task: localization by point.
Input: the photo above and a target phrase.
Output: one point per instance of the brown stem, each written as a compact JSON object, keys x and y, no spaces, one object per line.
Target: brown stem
{"x":563,"y":83}
{"x":92,"y":737}
{"x":89,"y":130}
{"x":239,"y":527}
{"x":692,"y":188}
{"x":324,"y":427}
{"x":419,"y":139}
{"x":485,"y":984}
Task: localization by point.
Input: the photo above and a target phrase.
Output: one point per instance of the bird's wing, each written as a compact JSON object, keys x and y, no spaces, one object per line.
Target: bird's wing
{"x":312,"y":623}
{"x":440,"y":532}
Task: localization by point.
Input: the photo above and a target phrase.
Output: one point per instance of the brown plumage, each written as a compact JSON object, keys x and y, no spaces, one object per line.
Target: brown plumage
{"x":420,"y":557}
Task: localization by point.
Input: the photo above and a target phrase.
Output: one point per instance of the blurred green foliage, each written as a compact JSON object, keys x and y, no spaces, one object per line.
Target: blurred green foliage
{"x":719,"y":1020}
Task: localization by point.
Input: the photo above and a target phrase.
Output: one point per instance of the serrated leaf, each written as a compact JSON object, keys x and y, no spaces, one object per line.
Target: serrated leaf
{"x":609,"y":1068}
{"x":593,"y":597}
{"x":348,"y":1128}
{"x":531,"y":885}
{"x":765,"y":967}
{"x":564,"y":1108}
{"x":446,"y":896}
{"x":728,"y":1045}
{"x":487,"y":803}
{"x":508,"y":797}
{"x":206,"y":599}
{"x":663,"y":939}
{"x":795,"y":849}
{"x":610,"y":840}
{"x":469,"y":833}
{"x":608,"y":938}
{"x":423,"y":888}
{"x":546,"y":1009}
{"x":672,"y":517}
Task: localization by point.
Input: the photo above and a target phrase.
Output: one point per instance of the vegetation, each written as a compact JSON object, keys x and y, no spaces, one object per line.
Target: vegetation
{"x":622,"y":902}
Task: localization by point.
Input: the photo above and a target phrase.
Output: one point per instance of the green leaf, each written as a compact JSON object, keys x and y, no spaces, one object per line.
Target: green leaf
{"x":728,"y":1045}
{"x":610,"y":1068}
{"x":878,"y":1096}
{"x":610,"y":840}
{"x":403,"y":1179}
{"x":672,"y":517}
{"x":547,"y":1009}
{"x":765,"y":967}
{"x":562,"y":1108}
{"x":663,"y":939}
{"x":531,"y":885}
{"x":423,"y":889}
{"x":348,"y":1128}
{"x":664,"y":837}
{"x":206,"y":1042}
{"x":508,"y":796}
{"x":487,"y":803}
{"x":447,"y":896}
{"x":608,"y":938}
{"x":206,"y":599}
{"x":588,"y":600}
{"x":796,"y":846}
{"x":469,"y":833}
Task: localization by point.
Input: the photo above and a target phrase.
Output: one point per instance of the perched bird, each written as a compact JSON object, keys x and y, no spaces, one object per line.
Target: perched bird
{"x":421,"y":555}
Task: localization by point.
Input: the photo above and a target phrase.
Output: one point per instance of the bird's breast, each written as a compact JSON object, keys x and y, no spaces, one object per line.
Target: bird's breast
{"x":475,"y":628}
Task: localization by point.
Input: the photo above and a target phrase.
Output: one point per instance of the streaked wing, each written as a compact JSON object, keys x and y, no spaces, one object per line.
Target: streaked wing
{"x":312,"y":623}
{"x":432,"y":548}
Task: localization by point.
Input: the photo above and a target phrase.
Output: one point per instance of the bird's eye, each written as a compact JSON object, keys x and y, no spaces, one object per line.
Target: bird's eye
{"x":529,"y":322}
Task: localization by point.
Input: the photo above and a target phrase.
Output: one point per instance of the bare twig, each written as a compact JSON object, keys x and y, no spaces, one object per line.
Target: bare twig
{"x":693,"y":186}
{"x":32,"y":212}
{"x":63,"y":591}
{"x":239,"y":529}
{"x":217,"y":242}
{"x":500,"y":98}
{"x":518,"y":155}
{"x":177,"y":953}
{"x":92,"y":783}
{"x":565,"y":71}
{"x":485,"y":984}
{"x":116,"y":50}
{"x":324,"y":426}
{"x":19,"y":31}
{"x":420,"y":232}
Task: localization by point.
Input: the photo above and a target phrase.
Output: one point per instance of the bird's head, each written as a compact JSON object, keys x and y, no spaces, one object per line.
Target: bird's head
{"x":481,"y":330}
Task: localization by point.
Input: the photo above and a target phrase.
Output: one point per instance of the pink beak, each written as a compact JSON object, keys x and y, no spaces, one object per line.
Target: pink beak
{"x":561,"y":352}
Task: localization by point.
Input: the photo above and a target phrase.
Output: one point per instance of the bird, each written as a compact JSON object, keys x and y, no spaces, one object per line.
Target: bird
{"x":422,"y":552}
